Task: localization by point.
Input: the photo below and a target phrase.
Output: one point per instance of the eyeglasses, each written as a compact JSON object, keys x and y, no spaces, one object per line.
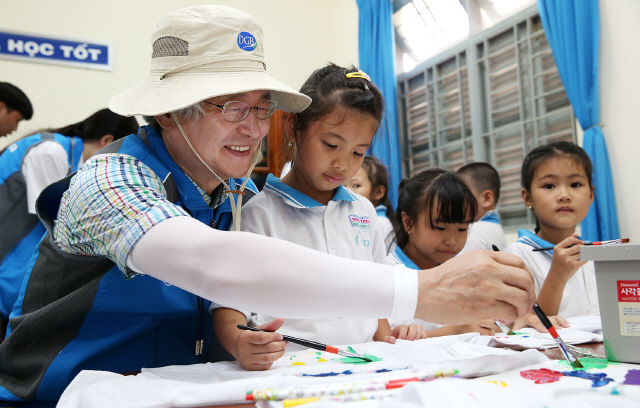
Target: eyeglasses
{"x":237,"y":111}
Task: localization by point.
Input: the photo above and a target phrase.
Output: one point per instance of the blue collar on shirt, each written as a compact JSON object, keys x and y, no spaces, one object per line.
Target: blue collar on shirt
{"x":529,"y":238}
{"x":402,"y":257}
{"x":381,"y":210}
{"x":491,"y":216}
{"x":297,"y":199}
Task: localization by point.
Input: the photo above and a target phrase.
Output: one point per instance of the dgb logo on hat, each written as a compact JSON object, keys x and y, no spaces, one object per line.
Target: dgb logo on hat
{"x":246,"y":41}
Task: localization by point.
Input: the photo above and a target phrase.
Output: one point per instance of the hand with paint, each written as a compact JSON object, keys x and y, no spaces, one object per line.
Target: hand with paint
{"x":476,"y":286}
{"x":407,"y":332}
{"x":531,"y":320}
{"x":255,"y":351}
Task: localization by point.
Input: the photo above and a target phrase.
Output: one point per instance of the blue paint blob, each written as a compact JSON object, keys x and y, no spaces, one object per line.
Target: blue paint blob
{"x":597,"y":379}
{"x":332,"y":374}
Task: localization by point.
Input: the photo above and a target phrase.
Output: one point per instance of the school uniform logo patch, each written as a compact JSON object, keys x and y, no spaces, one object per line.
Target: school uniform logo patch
{"x":362,"y":225}
{"x":359,"y":222}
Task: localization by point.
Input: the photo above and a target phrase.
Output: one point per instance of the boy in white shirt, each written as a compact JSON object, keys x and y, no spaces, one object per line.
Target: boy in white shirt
{"x":486,"y":231}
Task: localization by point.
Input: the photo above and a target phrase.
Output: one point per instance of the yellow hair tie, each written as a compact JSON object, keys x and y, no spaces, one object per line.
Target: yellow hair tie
{"x":359,"y":74}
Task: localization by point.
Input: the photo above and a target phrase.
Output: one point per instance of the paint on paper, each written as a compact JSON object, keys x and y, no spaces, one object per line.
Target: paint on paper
{"x":312,"y":357}
{"x":349,"y":372}
{"x":355,"y":360}
{"x":632,"y":377}
{"x":589,"y":363}
{"x":541,"y":375}
{"x":545,"y":376}
{"x":597,"y":379}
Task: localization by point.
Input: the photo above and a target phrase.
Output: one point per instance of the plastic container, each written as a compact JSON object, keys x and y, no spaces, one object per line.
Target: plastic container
{"x":618,"y":280}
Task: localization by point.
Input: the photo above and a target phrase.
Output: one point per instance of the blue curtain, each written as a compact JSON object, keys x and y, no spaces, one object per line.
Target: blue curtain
{"x":376,"y":46}
{"x":572,"y":28}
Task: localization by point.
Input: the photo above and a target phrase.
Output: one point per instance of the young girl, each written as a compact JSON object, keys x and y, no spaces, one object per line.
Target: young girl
{"x":435,"y":208}
{"x":370,"y":181}
{"x":310,"y":207}
{"x":556,"y":186}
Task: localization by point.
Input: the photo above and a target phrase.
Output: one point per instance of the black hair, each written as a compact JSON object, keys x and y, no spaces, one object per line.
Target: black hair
{"x":15,"y":99}
{"x":482,"y":176}
{"x":455,"y":201}
{"x":543,"y":153}
{"x":378,"y":176}
{"x":329,"y":88}
{"x":102,"y":122}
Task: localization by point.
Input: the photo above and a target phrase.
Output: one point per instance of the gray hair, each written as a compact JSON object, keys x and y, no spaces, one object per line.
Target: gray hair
{"x":193,"y":112}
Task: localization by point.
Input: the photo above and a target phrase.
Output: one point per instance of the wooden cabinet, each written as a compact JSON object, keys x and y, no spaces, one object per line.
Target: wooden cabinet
{"x":272,"y":149}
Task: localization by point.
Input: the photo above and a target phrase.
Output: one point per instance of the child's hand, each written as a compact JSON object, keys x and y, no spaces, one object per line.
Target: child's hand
{"x":258,"y":350}
{"x":410,"y":332}
{"x":485,"y":328}
{"x":566,"y":258}
{"x":531,"y":320}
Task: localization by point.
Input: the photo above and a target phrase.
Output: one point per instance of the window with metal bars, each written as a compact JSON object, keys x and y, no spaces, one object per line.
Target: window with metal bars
{"x":492,"y":98}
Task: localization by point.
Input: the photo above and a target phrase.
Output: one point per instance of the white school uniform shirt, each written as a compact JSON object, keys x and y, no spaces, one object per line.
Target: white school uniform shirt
{"x":43,"y":164}
{"x":346,"y":227}
{"x":484,"y":233}
{"x":386,"y":227}
{"x":398,"y":257}
{"x":580,"y":296}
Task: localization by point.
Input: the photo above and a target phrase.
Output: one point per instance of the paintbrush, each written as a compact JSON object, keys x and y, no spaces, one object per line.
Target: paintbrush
{"x":568,"y":354}
{"x":609,"y":242}
{"x":505,"y":329}
{"x":312,"y":344}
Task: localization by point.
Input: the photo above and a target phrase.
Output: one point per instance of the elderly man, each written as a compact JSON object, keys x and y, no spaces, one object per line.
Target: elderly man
{"x":120,"y":281}
{"x":14,"y":107}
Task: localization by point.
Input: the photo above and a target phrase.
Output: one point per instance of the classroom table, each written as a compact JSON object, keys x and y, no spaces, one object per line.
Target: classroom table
{"x":553,"y":354}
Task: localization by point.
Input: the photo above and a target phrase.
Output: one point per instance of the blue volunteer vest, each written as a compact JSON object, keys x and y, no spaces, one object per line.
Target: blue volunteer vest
{"x":21,"y":231}
{"x":80,"y":313}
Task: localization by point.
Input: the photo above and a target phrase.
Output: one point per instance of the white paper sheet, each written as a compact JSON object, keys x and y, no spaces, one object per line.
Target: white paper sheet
{"x":509,"y":390}
{"x":530,"y":338}
{"x":227,"y":382}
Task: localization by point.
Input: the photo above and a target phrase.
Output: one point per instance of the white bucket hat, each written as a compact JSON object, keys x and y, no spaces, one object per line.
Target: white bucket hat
{"x":201,"y":52}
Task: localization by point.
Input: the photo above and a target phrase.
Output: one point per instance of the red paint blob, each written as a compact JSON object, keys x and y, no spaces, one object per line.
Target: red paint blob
{"x":541,"y":375}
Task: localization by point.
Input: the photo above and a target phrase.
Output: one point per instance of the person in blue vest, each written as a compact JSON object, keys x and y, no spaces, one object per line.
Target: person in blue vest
{"x":137,"y":244}
{"x":15,"y":106}
{"x":26,"y":168}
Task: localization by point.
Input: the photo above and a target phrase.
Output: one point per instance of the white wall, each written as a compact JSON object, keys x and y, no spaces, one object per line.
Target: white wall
{"x":619,"y":63}
{"x":300,"y":36}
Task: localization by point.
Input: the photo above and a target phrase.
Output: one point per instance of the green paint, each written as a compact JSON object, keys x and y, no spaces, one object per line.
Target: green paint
{"x":354,"y":360}
{"x":522,"y":334}
{"x":609,"y":351}
{"x":589,"y":363}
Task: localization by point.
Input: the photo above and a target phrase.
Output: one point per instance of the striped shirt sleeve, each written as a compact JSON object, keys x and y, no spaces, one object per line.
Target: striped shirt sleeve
{"x":113,"y":200}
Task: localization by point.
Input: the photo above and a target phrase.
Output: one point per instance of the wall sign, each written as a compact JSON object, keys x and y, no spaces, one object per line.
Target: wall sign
{"x":57,"y":51}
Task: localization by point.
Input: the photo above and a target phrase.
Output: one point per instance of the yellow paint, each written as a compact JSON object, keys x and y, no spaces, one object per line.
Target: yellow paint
{"x":322,"y":360}
{"x":298,"y":401}
{"x":500,"y":383}
{"x":298,"y":363}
